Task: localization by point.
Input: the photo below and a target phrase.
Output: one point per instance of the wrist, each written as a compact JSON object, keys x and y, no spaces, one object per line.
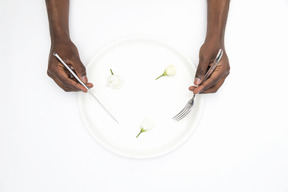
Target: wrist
{"x":59,"y":35}
{"x":64,"y":45}
{"x":214,"y":41}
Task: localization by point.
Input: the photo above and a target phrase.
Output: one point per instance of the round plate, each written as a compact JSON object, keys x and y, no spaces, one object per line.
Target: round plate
{"x":139,"y":60}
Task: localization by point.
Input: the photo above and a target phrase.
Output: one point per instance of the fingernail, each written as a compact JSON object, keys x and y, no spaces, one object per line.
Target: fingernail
{"x":197,"y":81}
{"x":85,"y":79}
{"x":191,"y":88}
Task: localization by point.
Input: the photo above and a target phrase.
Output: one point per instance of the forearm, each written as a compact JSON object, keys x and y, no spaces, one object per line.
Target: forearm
{"x":58,"y":16}
{"x":217,"y":12}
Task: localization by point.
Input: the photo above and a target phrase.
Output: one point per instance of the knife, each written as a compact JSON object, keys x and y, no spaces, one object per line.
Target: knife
{"x":88,"y":90}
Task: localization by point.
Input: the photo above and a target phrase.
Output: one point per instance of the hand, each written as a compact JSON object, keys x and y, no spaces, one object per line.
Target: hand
{"x":69,"y":53}
{"x":207,"y":54}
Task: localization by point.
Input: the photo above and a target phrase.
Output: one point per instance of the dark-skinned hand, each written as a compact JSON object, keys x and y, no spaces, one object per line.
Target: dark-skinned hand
{"x":207,"y":54}
{"x":69,"y":53}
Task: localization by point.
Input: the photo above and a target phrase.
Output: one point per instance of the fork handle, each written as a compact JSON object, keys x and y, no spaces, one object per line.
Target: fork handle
{"x":191,"y":101}
{"x":213,"y":66}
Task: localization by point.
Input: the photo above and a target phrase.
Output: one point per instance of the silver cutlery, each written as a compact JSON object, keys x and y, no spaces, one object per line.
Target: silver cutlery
{"x":188,"y":106}
{"x":89,"y":91}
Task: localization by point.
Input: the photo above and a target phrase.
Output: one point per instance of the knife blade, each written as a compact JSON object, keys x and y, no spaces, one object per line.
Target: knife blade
{"x":81,"y":82}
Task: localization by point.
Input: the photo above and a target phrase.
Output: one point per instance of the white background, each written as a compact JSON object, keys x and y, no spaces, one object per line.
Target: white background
{"x":241,"y":142}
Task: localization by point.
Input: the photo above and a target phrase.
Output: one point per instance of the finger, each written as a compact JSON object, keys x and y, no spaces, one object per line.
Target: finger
{"x":84,"y":79}
{"x":67,"y":88}
{"x":80,"y":70}
{"x":63,"y":75}
{"x":201,"y":70}
{"x":212,"y":80}
{"x":191,"y":88}
{"x":60,"y":84}
{"x":215,"y":88}
{"x":89,"y":85}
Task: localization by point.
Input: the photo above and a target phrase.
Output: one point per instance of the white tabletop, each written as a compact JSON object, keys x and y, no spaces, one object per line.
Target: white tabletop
{"x":240,"y":144}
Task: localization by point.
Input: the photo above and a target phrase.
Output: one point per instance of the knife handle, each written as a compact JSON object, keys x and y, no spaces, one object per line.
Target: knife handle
{"x":70,"y":70}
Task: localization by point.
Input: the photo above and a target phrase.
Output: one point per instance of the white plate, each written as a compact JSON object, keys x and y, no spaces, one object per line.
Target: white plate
{"x":139,"y":60}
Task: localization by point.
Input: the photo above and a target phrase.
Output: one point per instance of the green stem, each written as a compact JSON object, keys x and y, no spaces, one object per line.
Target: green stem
{"x":139,"y":134}
{"x":160,"y":76}
{"x":141,"y":131}
{"x":111,"y":72}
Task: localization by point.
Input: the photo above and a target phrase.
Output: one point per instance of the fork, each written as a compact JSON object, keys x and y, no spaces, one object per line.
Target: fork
{"x":188,"y":106}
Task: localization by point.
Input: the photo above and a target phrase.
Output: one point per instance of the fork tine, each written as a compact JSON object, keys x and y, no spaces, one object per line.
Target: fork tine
{"x":182,"y":111}
{"x":185,"y":110}
{"x":182,"y":114}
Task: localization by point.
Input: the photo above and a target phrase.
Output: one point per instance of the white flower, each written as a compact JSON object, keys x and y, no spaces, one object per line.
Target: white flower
{"x":169,"y":71}
{"x":114,"y":81}
{"x":146,"y":125}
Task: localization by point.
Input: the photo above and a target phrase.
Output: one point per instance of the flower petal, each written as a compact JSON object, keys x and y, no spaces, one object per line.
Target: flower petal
{"x":170,"y":70}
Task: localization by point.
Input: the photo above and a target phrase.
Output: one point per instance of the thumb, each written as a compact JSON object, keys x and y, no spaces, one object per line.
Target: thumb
{"x":201,"y":70}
